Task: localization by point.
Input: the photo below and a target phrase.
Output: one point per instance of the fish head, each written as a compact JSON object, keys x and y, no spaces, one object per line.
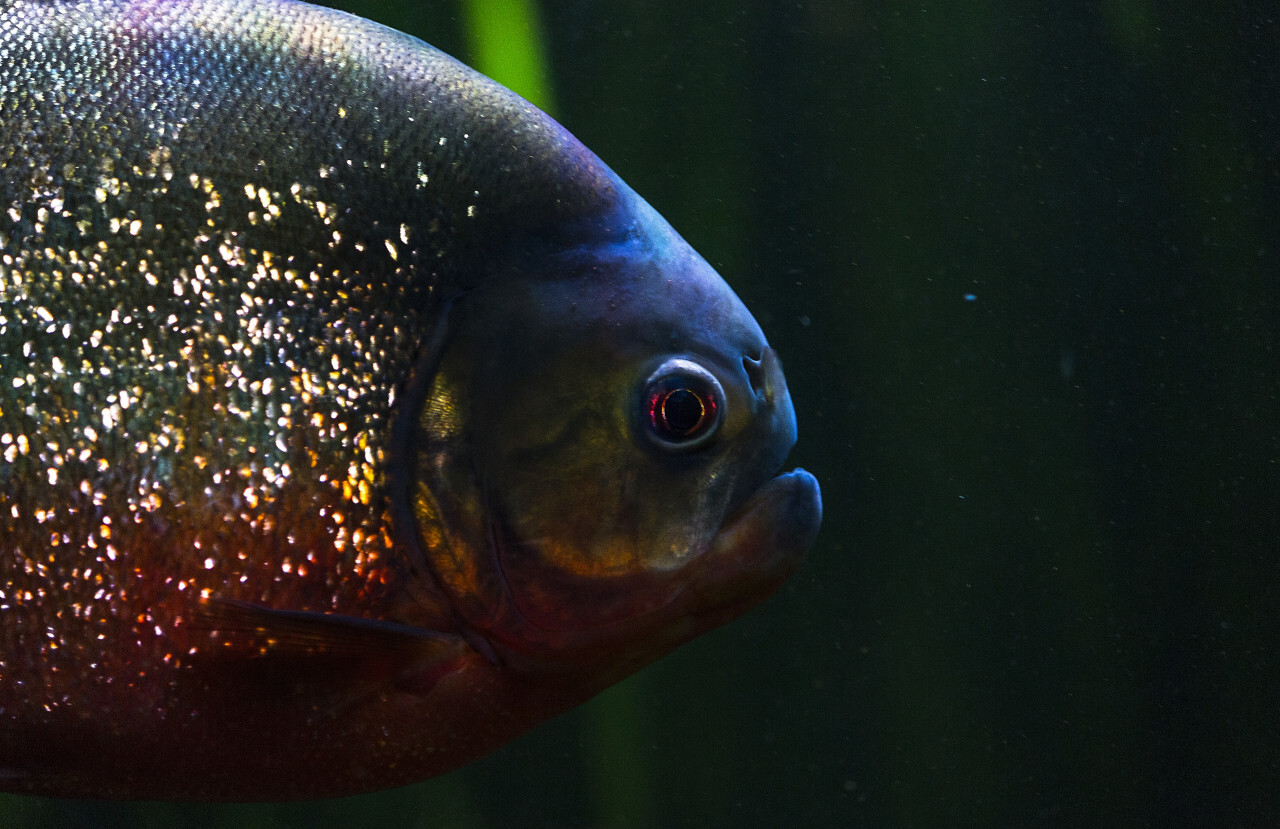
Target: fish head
{"x":598,"y":452}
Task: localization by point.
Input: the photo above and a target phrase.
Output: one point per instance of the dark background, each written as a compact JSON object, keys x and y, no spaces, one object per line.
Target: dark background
{"x":1021,"y":263}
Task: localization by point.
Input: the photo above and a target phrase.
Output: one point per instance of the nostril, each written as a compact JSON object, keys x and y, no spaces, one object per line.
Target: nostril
{"x":756,"y":376}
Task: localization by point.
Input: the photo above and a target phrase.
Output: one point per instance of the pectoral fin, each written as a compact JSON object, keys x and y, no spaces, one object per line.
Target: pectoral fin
{"x":308,"y":648}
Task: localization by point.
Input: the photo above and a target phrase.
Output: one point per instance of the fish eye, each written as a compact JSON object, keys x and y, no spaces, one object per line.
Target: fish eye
{"x":683,"y":405}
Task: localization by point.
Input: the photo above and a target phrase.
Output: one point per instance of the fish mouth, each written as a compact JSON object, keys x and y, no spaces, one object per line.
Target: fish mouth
{"x":759,"y":545}
{"x":756,"y":548}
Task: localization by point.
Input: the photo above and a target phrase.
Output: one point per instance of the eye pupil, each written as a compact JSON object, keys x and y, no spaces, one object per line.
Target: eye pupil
{"x":682,"y":411}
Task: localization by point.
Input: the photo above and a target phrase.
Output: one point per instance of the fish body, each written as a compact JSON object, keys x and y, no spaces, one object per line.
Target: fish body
{"x":354,"y":417}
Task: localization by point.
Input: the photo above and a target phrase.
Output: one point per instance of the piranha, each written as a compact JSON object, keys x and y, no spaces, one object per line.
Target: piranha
{"x":354,"y":418}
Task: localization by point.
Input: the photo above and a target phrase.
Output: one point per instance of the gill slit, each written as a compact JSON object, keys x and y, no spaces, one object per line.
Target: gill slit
{"x":427,"y":587}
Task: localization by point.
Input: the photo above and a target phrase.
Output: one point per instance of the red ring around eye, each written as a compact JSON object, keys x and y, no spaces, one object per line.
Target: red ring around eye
{"x":681,"y":414}
{"x":684,"y":411}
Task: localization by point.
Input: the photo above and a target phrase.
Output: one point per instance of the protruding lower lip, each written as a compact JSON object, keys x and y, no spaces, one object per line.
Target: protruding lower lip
{"x":759,"y":546}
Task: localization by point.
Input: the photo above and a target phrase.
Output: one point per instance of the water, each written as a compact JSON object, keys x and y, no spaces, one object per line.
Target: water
{"x":1022,"y":268}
